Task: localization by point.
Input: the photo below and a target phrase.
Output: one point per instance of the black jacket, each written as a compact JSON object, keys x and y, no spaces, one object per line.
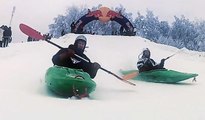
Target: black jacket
{"x":7,"y":32}
{"x":146,"y":64}
{"x":75,"y":62}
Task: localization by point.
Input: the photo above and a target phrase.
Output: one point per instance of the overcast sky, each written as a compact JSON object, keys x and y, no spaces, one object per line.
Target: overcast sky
{"x":40,"y":13}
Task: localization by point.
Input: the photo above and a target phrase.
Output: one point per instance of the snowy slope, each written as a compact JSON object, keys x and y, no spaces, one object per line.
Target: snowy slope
{"x":25,"y":97}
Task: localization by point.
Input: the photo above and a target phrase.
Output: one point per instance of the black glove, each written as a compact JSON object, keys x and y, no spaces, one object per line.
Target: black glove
{"x":70,"y":52}
{"x":67,"y":54}
{"x":163,"y":60}
{"x":96,"y":65}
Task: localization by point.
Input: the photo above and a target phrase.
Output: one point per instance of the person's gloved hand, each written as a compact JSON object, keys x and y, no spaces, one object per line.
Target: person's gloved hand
{"x":67,"y":54}
{"x":163,"y":60}
{"x":70,"y":53}
{"x":96,"y":65}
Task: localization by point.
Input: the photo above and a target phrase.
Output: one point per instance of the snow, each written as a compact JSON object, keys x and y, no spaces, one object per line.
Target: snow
{"x":24,"y":95}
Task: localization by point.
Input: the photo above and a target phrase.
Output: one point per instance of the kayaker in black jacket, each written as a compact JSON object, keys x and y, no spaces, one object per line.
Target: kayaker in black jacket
{"x":145,"y":63}
{"x":66,"y":57}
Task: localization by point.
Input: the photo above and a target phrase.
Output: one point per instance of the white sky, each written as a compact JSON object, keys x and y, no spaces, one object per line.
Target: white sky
{"x":40,"y":13}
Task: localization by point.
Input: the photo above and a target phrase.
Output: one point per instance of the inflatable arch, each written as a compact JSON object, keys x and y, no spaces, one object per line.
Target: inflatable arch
{"x":104,"y":14}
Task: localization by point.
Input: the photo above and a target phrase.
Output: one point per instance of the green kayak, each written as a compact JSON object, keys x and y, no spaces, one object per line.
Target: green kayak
{"x":158,"y":76}
{"x":69,"y":82}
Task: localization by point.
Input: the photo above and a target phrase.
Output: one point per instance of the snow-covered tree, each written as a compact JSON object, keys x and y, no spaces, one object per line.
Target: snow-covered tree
{"x":58,"y":26}
{"x":164,"y":29}
{"x":62,"y":22}
{"x":181,"y":33}
{"x":139,"y":24}
{"x":200,"y":39}
{"x":184,"y":32}
{"x":148,"y":27}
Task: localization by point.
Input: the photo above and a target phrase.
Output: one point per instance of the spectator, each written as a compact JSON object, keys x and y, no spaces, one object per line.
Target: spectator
{"x":7,"y":36}
{"x":1,"y":35}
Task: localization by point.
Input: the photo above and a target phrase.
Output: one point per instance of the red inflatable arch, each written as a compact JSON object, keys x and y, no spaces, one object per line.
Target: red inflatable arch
{"x":104,"y":15}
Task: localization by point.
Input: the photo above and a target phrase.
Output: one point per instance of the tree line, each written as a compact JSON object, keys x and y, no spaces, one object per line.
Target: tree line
{"x":180,"y":33}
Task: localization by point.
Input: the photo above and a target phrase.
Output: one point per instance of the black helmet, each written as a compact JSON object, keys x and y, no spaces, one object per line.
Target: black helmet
{"x":146,"y":53}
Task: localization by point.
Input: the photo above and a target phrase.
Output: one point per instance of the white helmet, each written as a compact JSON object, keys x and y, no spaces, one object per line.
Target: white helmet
{"x":81,"y":37}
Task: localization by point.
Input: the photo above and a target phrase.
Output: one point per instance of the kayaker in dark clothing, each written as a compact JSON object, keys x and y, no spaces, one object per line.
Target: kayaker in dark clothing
{"x":145,"y":63}
{"x":66,"y":57}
